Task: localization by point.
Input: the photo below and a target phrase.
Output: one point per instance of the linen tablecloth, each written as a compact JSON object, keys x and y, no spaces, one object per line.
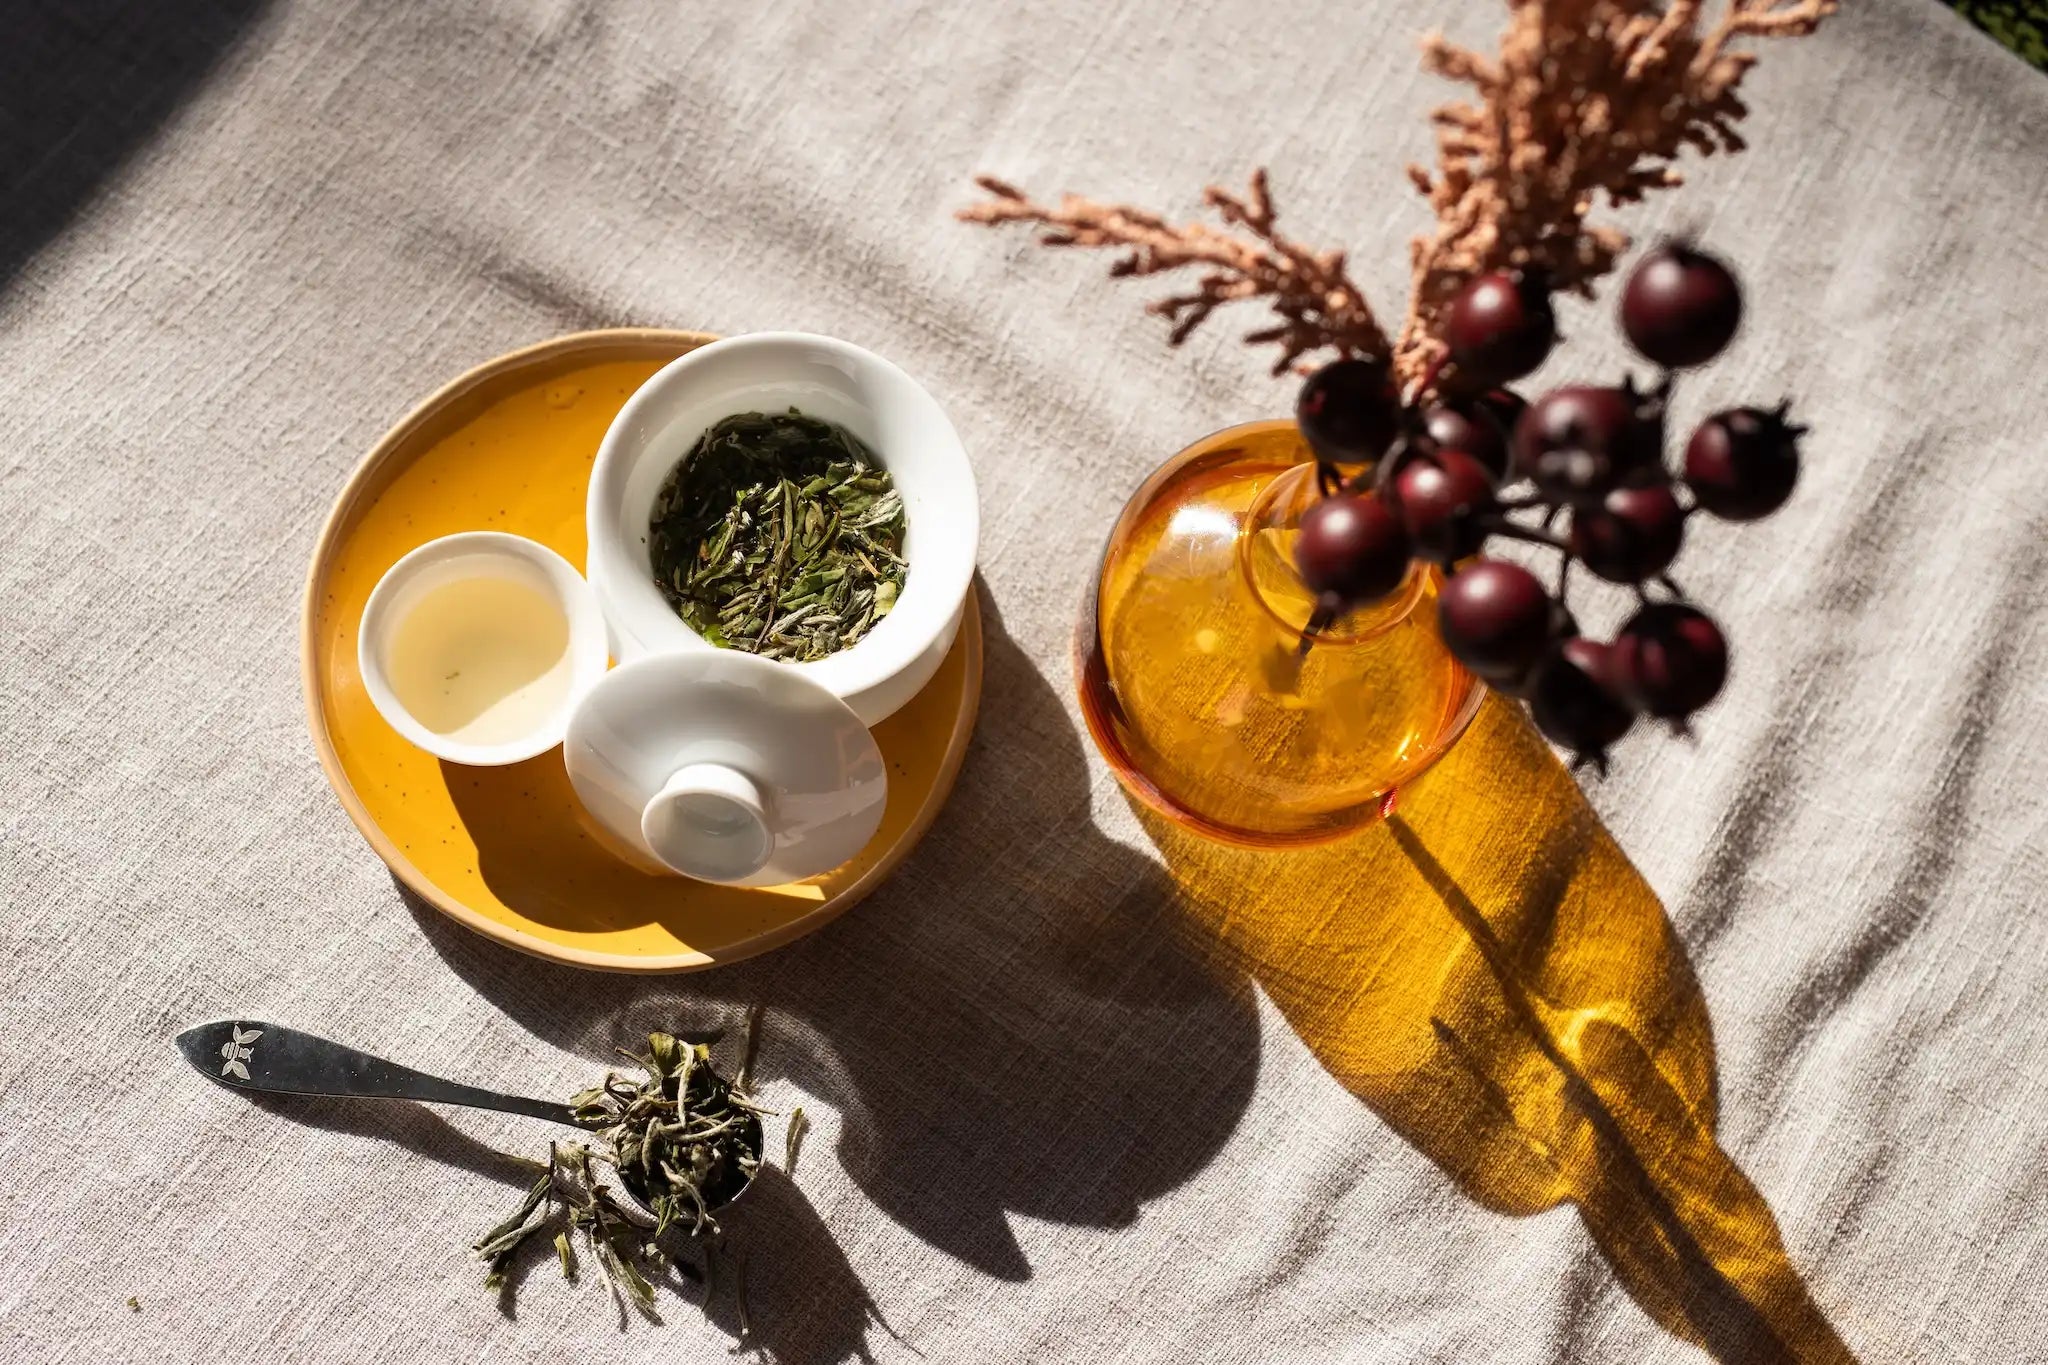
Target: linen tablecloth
{"x":1081,"y":1090}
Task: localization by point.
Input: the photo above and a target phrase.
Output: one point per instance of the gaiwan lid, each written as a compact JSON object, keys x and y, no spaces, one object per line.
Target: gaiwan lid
{"x":726,"y":767}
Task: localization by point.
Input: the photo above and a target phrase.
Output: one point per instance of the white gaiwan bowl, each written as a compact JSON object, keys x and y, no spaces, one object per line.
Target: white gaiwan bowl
{"x":877,"y":402}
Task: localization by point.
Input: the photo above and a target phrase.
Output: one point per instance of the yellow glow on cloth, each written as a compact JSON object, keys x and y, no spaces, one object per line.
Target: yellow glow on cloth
{"x":1490,"y":974}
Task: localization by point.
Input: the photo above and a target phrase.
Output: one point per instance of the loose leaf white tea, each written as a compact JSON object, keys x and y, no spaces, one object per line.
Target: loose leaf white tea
{"x":779,"y":534}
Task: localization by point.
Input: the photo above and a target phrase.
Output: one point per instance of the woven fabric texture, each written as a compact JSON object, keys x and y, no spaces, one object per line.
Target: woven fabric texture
{"x":1740,"y":1055}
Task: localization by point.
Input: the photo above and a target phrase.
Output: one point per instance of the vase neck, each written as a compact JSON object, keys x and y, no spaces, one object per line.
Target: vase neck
{"x":1265,"y":560}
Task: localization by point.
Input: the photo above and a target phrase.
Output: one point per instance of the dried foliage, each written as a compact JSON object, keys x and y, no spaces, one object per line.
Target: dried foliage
{"x":1586,"y":98}
{"x":1317,"y":304}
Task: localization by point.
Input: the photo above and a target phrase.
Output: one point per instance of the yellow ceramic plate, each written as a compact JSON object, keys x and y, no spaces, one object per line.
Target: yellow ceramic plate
{"x":507,"y":851}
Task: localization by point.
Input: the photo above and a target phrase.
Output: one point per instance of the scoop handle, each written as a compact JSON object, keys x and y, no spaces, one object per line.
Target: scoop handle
{"x":247,"y":1054}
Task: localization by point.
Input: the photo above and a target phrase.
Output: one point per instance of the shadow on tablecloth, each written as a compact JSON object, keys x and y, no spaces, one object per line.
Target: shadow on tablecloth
{"x":1487,"y":972}
{"x":1492,"y":976}
{"x":409,"y":1125}
{"x":1022,"y":1021}
{"x":81,"y":87}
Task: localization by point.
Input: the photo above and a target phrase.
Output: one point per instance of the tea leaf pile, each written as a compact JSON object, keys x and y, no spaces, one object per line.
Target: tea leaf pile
{"x":779,"y":534}
{"x":684,"y":1141}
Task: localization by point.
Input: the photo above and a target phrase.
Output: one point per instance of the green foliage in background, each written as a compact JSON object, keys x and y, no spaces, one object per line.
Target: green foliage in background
{"x":2021,"y":25}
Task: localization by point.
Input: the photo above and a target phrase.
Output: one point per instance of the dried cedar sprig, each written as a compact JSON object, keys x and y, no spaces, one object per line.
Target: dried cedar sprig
{"x":1586,"y":99}
{"x":1316,"y":303}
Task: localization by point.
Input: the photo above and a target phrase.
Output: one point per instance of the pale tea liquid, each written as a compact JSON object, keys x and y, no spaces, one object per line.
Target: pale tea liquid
{"x":481,"y":660}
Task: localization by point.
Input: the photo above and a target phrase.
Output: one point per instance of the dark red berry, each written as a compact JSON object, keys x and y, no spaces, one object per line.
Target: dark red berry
{"x":1506,"y":405}
{"x":1576,"y":700}
{"x":1579,"y":442}
{"x":1681,"y":306}
{"x":1478,"y":433}
{"x":1497,"y":620}
{"x":1351,"y":546}
{"x":1671,"y":659}
{"x":1742,"y":464}
{"x":1441,"y":498}
{"x":1348,"y":411}
{"x":1499,"y":327}
{"x":1633,"y":534}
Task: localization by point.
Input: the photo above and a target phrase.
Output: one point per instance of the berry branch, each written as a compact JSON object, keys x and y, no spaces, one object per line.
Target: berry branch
{"x":1317,"y":303}
{"x":1591,"y":457}
{"x":1419,"y":444}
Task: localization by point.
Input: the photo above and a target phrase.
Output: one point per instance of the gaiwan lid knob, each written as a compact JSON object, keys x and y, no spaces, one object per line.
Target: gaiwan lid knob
{"x":726,"y":767}
{"x":710,"y":822}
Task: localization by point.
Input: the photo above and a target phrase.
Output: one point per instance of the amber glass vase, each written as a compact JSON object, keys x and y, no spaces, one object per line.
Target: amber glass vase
{"x":1194,"y":677}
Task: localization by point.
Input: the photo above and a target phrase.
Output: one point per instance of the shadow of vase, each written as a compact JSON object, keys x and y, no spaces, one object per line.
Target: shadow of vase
{"x":1488,"y":972}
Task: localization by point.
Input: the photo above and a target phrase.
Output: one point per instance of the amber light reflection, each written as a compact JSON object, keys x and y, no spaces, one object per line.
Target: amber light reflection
{"x":1491,"y":975}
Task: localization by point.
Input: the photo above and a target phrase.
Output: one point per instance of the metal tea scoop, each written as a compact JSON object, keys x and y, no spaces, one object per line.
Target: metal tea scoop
{"x":252,"y":1055}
